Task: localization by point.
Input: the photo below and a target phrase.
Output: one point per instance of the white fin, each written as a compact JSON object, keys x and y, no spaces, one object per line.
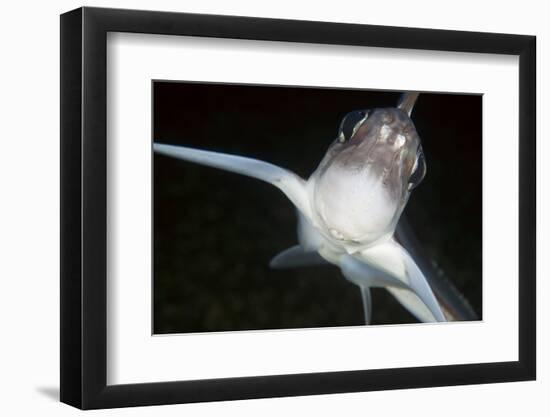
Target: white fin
{"x":365,"y":275}
{"x":393,"y":259}
{"x":367,"y":303}
{"x":411,"y":302}
{"x":296,"y":257}
{"x":289,"y":183}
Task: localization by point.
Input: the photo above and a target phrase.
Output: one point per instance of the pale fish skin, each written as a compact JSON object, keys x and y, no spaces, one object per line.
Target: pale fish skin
{"x":349,"y":207}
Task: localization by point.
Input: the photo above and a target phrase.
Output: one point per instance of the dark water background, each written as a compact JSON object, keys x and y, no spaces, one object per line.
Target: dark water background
{"x":215,"y":232}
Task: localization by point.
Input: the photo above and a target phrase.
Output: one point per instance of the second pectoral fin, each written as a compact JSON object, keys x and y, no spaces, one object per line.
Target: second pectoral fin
{"x":392,"y":259}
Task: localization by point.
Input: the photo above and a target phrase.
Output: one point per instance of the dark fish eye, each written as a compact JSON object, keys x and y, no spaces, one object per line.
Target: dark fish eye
{"x":350,"y":123}
{"x":419,"y":169}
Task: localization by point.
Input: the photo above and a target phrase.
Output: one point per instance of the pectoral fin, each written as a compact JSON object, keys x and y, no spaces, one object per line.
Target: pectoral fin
{"x":289,"y":183}
{"x":413,"y":303}
{"x":415,"y":294}
{"x":296,"y":257}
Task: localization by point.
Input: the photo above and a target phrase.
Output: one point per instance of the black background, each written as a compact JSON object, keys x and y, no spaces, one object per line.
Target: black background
{"x":215,"y":232}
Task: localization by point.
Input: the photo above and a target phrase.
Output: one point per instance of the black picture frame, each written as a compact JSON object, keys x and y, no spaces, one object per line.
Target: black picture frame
{"x":84,"y":206}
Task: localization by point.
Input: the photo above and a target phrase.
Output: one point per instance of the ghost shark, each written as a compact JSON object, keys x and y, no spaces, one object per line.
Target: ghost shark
{"x":349,"y":207}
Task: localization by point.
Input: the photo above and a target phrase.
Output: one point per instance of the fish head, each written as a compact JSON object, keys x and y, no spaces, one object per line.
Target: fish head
{"x":363,"y":183}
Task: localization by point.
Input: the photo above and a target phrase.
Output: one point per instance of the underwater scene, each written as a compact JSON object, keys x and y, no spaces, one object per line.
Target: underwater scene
{"x":279,"y":207}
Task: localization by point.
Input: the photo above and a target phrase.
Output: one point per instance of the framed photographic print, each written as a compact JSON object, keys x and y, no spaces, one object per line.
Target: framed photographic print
{"x":257,"y":208}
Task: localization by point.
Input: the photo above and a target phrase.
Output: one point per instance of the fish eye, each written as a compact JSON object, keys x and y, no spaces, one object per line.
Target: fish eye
{"x":350,"y":123}
{"x":419,"y":169}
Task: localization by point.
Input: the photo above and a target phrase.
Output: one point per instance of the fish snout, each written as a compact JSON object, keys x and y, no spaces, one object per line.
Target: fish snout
{"x":396,"y":128}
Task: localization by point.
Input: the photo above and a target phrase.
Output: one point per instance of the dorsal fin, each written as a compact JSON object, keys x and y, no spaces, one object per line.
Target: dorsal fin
{"x":407,"y":101}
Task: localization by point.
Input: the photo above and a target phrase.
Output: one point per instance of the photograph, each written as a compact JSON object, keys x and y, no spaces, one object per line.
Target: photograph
{"x":267,"y":206}
{"x":293,"y":207}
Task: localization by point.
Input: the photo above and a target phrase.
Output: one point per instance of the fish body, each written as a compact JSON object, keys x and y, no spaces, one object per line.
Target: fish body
{"x":348,"y":209}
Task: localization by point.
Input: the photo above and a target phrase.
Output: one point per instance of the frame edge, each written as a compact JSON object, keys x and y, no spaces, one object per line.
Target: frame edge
{"x":70,"y":213}
{"x":527,"y":207}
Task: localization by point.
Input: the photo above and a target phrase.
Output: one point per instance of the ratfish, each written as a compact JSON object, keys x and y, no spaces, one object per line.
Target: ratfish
{"x":349,"y":207}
